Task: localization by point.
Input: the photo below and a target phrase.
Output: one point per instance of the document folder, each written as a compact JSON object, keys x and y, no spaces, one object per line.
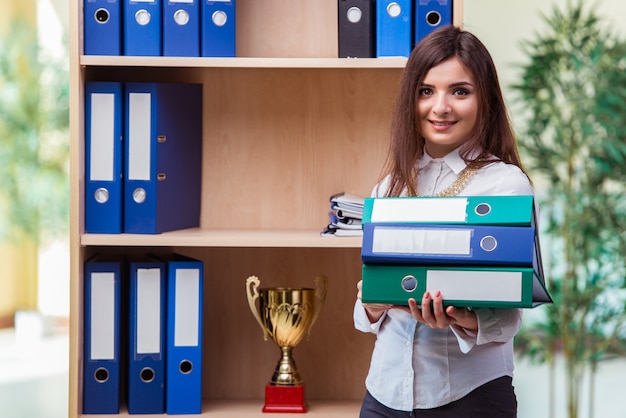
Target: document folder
{"x":472,"y":210}
{"x":163,"y":157}
{"x":183,"y":388}
{"x":103,"y":157}
{"x":428,"y":244}
{"x":477,"y":287}
{"x":394,"y":28}
{"x":430,"y":15}
{"x":143,"y":27}
{"x":146,"y":362}
{"x":101,"y":367}
{"x":357,"y":28}
{"x":181,"y":28}
{"x":102,"y":27}
{"x":218,"y":29}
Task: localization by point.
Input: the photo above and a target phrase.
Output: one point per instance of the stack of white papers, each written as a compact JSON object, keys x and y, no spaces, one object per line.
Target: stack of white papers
{"x":346,"y":215}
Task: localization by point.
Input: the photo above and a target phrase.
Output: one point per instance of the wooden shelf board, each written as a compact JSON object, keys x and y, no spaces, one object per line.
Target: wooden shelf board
{"x":242,"y":62}
{"x":198,"y":237}
{"x":252,"y":409}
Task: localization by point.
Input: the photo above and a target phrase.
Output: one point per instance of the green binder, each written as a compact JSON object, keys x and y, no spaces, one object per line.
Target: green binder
{"x":476,"y":287}
{"x":474,"y":210}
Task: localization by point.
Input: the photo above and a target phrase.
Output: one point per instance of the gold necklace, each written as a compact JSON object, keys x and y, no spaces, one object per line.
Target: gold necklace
{"x":459,"y":184}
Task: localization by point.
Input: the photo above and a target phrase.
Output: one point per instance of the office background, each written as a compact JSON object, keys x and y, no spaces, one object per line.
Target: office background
{"x":33,"y":354}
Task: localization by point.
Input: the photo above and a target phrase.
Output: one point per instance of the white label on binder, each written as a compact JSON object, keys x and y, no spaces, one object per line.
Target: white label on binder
{"x":483,"y":285}
{"x":139,"y":121}
{"x":102,"y":316}
{"x":148,"y":311}
{"x":102,"y":139}
{"x":451,"y":209}
{"x":187,"y":307}
{"x":442,"y":241}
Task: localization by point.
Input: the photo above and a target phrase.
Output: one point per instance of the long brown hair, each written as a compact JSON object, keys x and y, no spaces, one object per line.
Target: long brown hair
{"x":493,"y":134}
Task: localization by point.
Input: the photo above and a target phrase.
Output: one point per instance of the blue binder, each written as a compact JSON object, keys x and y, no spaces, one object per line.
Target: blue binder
{"x":103,"y":157}
{"x":430,"y":15}
{"x":146,"y":361}
{"x":163,"y":157}
{"x":183,"y":388}
{"x":101,"y":367}
{"x":218,"y":28}
{"x":394,"y":28}
{"x":181,"y":28}
{"x":102,"y":27}
{"x":450,"y":245}
{"x":143,"y":27}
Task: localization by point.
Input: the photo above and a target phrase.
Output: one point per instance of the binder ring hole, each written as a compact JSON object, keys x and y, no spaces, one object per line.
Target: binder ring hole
{"x":433,"y":18}
{"x":482,"y":209}
{"x":488,"y":243}
{"x":181,"y":17}
{"x":409,"y":283}
{"x":354,"y":15}
{"x":101,"y":375}
{"x":101,"y":195}
{"x":394,"y":9}
{"x":101,"y":16}
{"x":142,"y":17}
{"x":139,"y":195}
{"x":185,"y":367}
{"x":161,"y":176}
{"x":219,"y":18}
{"x":147,"y":375}
{"x":161,"y":138}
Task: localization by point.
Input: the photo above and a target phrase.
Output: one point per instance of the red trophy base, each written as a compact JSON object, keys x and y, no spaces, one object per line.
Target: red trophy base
{"x":284,"y":398}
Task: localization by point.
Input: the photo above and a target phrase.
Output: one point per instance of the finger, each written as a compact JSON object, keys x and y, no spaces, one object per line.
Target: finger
{"x":415,"y":310}
{"x":426,"y":310}
{"x":441,"y":319}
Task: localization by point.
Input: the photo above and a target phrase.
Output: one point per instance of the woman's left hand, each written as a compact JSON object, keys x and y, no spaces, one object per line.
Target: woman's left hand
{"x":432,"y":313}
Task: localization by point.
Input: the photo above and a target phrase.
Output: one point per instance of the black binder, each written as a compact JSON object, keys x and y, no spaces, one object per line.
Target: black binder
{"x":357,"y":28}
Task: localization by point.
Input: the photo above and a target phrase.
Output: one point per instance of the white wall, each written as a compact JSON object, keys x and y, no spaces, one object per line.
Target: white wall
{"x":503,"y":24}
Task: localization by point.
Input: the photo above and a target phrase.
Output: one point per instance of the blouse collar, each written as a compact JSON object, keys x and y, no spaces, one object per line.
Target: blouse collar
{"x":452,"y":160}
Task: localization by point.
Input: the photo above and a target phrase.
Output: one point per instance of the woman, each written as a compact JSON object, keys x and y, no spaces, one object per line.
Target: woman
{"x":450,"y":136}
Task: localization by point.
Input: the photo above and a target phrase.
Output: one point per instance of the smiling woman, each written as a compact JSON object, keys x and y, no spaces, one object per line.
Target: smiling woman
{"x":450,"y":135}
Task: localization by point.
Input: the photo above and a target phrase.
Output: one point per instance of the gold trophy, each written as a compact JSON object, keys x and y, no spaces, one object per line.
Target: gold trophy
{"x":286,"y":315}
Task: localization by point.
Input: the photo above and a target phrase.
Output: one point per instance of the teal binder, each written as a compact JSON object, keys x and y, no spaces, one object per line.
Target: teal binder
{"x":476,"y":287}
{"x":471,"y":210}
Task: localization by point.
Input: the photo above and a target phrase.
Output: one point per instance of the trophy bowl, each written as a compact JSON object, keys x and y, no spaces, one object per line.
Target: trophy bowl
{"x":285,"y":315}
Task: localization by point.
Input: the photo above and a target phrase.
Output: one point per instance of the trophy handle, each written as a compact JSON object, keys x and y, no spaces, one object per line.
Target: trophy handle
{"x":321,"y":286}
{"x":252,"y":290}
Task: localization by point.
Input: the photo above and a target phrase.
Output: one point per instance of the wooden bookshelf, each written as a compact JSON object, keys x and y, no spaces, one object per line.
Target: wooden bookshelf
{"x":286,"y":125}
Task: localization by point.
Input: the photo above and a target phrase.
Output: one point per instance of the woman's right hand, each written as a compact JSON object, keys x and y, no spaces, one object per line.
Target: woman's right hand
{"x":373,"y":310}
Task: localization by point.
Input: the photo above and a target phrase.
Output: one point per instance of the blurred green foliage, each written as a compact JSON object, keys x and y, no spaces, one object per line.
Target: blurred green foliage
{"x":574,"y":144}
{"x":34,"y":138}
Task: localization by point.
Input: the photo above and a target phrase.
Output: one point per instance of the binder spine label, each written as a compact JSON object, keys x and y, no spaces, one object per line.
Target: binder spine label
{"x":102,"y":324}
{"x":442,"y":241}
{"x":495,"y":286}
{"x":148,"y":311}
{"x":186,"y":317}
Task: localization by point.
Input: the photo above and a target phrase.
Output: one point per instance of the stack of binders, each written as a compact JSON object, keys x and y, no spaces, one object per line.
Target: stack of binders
{"x":143,"y":157}
{"x":183,"y":28}
{"x":151,"y":353}
{"x":479,"y":251}
{"x":388,"y":28}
